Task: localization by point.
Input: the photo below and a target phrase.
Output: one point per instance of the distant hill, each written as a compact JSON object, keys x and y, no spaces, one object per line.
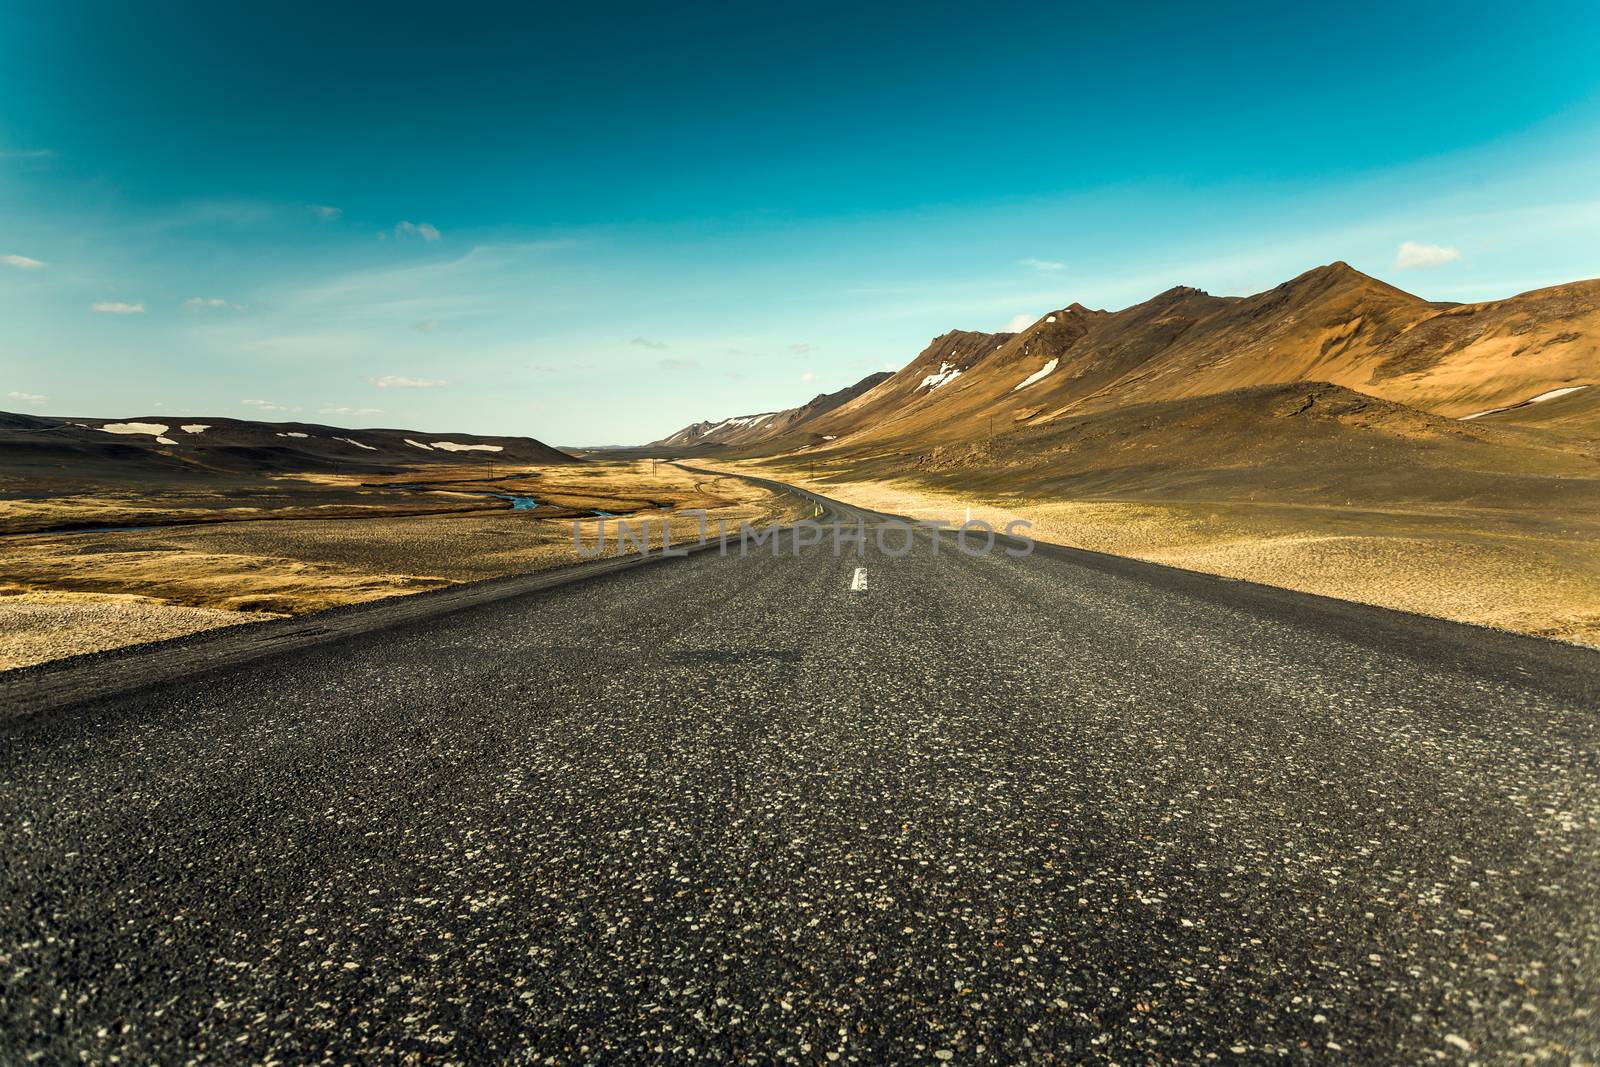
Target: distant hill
{"x":149,"y":445}
{"x":748,"y":429}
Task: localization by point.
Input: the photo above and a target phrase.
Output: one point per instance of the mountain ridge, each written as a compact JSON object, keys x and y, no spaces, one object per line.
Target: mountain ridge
{"x":1332,"y":323}
{"x":223,"y":445}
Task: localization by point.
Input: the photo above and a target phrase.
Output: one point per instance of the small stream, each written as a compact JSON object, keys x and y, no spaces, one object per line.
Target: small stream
{"x":518,"y":503}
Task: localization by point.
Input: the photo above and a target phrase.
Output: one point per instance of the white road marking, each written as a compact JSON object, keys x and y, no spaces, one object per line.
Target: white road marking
{"x":858,"y":583}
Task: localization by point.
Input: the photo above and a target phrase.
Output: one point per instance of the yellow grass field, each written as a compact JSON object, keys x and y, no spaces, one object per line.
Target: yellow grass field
{"x":67,"y":593}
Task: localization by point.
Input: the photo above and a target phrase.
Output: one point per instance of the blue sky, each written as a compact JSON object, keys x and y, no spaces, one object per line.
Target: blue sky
{"x":593,"y":226}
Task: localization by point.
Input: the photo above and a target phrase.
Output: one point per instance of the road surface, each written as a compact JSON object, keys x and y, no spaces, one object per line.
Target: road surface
{"x":1060,"y":808}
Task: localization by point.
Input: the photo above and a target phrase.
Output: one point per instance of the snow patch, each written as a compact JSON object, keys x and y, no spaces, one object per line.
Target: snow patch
{"x":947,"y":373}
{"x":1052,"y":318}
{"x":358,"y":444}
{"x":154,"y":429}
{"x":1036,"y":375}
{"x":451,"y":446}
{"x":165,"y":441}
{"x":294,"y":433}
{"x":418,"y":444}
{"x":1552,"y":394}
{"x":740,"y":422}
{"x":1541,"y":398}
{"x":195,"y":427}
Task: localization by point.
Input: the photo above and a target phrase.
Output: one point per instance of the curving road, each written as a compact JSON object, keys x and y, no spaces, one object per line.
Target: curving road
{"x":1059,"y":808}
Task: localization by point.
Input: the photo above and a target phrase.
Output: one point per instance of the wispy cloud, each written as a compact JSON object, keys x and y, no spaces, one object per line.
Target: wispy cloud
{"x":209,"y":303}
{"x":676,"y":364}
{"x":117,"y":307}
{"x":470,"y":281}
{"x":27,"y":398}
{"x":350,"y":411}
{"x":25,"y":262}
{"x":400,"y":381}
{"x":808,"y":377}
{"x":426,"y":326}
{"x":1046,"y":266}
{"x":29,"y":153}
{"x":327,"y":213}
{"x":648,"y":342}
{"x":802,"y":349}
{"x":267,"y":405}
{"x":1019,"y":323}
{"x":1412,"y":255}
{"x":425,"y":230}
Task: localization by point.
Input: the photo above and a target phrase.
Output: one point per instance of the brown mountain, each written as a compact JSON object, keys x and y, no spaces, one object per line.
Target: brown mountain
{"x":1331,"y":324}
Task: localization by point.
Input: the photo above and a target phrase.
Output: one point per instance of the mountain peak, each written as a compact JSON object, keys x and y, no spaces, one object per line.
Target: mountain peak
{"x":1337,"y":272}
{"x":1340,"y":277}
{"x":1177,"y":292}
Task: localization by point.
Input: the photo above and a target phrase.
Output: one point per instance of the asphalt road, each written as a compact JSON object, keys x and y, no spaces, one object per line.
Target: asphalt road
{"x":1061,"y":808}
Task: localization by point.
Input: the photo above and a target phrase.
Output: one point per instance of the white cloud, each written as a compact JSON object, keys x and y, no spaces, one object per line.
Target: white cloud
{"x":1414,"y":255}
{"x":802,"y":349}
{"x":426,"y":231}
{"x":204,"y":303}
{"x":1045,"y":265}
{"x":24,"y":262}
{"x":27,"y":398}
{"x":116,"y":307}
{"x":350,"y":411}
{"x":1019,"y":323}
{"x":400,"y":381}
{"x":677,"y":364}
{"x":648,"y":342}
{"x":808,"y":377}
{"x":327,"y":213}
{"x":267,"y":405}
{"x":426,"y":326}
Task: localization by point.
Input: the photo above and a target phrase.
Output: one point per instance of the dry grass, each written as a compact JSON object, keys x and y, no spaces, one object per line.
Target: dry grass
{"x":155,"y":583}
